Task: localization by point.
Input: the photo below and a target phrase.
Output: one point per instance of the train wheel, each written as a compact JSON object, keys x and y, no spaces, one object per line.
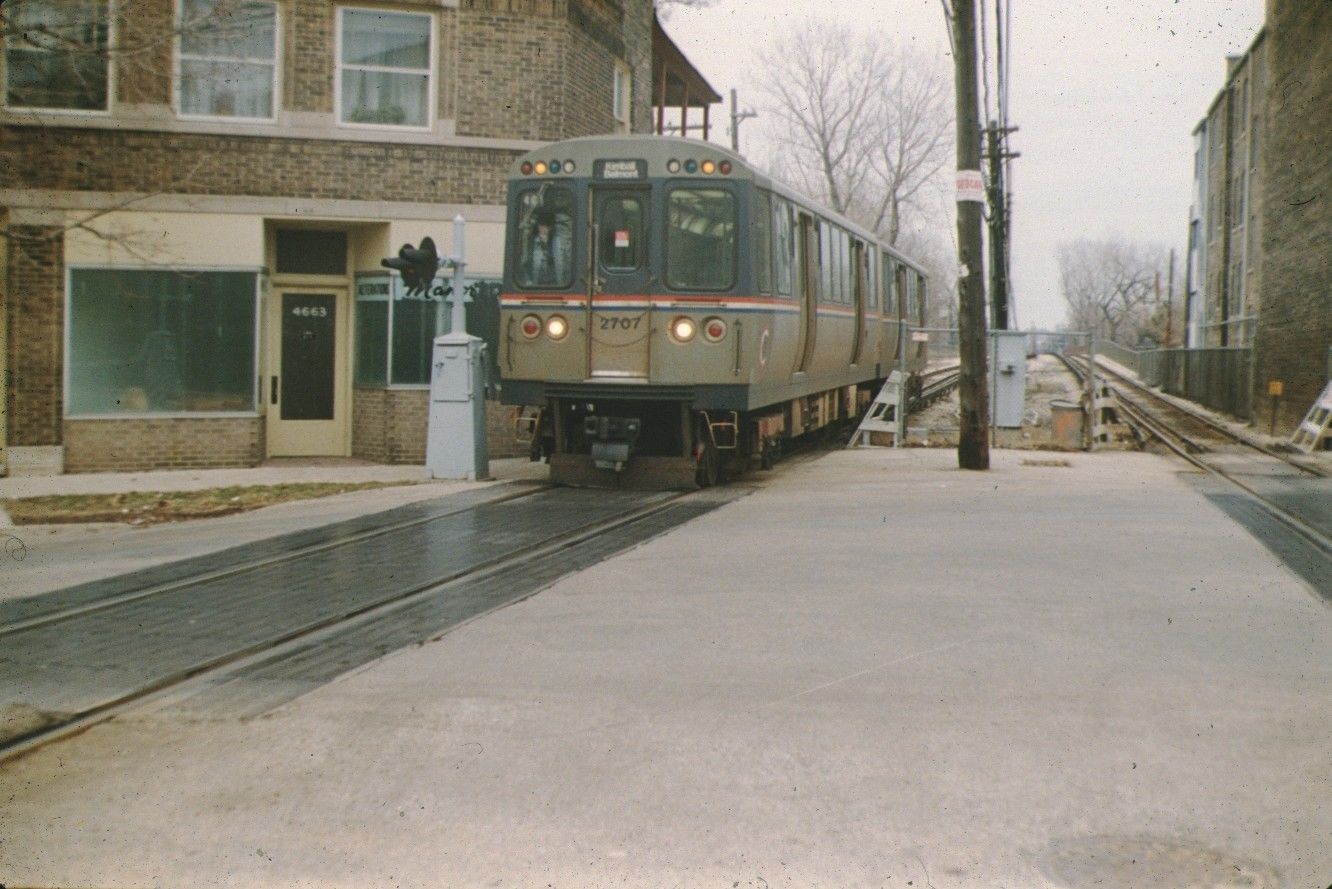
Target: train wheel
{"x":708,"y":471}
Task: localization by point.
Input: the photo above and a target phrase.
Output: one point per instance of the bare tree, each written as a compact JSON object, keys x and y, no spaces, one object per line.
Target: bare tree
{"x":860,"y":124}
{"x":665,"y":7}
{"x":1110,"y":286}
{"x":84,"y":41}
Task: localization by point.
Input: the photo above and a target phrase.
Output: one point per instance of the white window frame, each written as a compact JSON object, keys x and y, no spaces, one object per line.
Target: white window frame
{"x":276,"y":62}
{"x":432,"y":80}
{"x":111,"y":36}
{"x":622,"y":96}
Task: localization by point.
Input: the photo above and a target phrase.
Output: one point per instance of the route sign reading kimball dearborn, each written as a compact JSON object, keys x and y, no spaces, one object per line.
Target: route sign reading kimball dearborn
{"x":632,"y":169}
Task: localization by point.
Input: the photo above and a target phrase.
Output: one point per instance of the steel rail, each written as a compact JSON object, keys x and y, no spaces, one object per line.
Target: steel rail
{"x":1209,"y":422}
{"x":250,"y":565}
{"x":1316,"y":537}
{"x":284,"y":643}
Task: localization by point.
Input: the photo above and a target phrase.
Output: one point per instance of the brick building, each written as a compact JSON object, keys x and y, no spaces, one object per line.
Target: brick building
{"x":1294,"y":333}
{"x":196,"y":201}
{"x":1224,"y":270}
{"x":1260,"y":255}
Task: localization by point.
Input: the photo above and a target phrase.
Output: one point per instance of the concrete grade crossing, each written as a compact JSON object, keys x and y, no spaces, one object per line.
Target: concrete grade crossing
{"x":875,"y":670}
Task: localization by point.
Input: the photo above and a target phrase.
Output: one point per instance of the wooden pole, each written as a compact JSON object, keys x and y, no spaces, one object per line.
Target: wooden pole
{"x":973,"y":446}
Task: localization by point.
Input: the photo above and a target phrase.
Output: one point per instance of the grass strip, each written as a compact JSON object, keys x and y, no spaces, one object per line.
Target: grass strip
{"x":155,"y":507}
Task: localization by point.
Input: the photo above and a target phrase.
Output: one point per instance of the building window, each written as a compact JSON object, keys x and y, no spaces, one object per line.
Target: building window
{"x":622,"y":102}
{"x":310,"y":252}
{"x":156,"y":341}
{"x":395,"y":337}
{"x":384,"y":65}
{"x":228,"y":59}
{"x":56,"y":55}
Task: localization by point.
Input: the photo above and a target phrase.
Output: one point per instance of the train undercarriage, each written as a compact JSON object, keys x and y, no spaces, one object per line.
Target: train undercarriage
{"x":671,"y":445}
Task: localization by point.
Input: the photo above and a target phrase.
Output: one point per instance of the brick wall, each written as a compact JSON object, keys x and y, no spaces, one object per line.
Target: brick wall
{"x":143,"y":444}
{"x":512,"y":80}
{"x":35,"y":308}
{"x":389,"y":426}
{"x":75,"y":159}
{"x":1295,"y":318}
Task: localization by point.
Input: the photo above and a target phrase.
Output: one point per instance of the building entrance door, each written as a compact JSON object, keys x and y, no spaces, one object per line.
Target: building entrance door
{"x":307,"y":399}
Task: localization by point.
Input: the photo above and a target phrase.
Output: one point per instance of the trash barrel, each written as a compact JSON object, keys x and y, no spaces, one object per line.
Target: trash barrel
{"x":1066,"y":420}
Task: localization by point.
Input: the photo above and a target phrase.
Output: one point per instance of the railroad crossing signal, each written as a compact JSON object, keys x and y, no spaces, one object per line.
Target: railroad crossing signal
{"x":417,"y":265}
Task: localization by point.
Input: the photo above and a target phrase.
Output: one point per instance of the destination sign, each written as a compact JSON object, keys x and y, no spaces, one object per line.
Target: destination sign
{"x":634,"y":169}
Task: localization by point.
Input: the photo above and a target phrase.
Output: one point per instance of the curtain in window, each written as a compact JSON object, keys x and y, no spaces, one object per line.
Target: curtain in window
{"x":385,"y":68}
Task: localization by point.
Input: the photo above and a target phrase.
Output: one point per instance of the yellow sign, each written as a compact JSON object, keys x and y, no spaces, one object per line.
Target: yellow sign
{"x":1275,"y":388}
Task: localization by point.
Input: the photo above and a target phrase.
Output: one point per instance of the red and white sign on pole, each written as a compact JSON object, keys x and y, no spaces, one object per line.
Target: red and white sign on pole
{"x":970,"y":186}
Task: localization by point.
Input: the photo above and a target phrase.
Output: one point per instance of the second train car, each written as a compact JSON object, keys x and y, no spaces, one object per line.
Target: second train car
{"x":675,"y":315}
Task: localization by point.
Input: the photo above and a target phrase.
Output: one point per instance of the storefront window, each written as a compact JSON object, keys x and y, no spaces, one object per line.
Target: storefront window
{"x":395,"y":340}
{"x":161,"y":341}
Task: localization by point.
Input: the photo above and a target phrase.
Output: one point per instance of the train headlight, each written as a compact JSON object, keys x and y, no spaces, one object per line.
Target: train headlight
{"x":683,"y":329}
{"x":714,"y":330}
{"x":556,"y":327}
{"x":530,"y":326}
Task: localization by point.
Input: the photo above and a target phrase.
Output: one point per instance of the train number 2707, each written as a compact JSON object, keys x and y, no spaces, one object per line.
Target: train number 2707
{"x":620,"y":322}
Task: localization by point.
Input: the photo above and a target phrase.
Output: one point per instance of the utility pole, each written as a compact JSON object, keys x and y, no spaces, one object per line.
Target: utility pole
{"x":736,"y":117}
{"x":1170,"y":300}
{"x":997,"y":155}
{"x":973,"y":446}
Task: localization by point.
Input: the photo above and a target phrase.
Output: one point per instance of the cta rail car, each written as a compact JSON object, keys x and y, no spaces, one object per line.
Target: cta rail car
{"x":676,"y":315}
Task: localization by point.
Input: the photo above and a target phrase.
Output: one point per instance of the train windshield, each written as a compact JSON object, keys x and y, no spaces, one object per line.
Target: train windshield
{"x":700,"y":239}
{"x":545,"y":237}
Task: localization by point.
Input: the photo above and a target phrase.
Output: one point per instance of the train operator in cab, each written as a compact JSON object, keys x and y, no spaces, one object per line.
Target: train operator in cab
{"x":548,"y":250}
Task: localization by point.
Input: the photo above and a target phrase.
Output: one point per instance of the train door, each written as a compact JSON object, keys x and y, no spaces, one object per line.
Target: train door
{"x":809,"y":290}
{"x":858,"y":290}
{"x":619,"y":309}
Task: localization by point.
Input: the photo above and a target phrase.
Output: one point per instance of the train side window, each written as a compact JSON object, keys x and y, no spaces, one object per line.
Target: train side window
{"x":700,"y":239}
{"x":545,"y":237}
{"x":844,"y":270}
{"x":920,"y":300}
{"x":761,"y":245}
{"x":783,"y":245}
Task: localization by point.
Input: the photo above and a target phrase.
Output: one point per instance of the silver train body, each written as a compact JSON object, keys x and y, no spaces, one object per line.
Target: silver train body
{"x":676,"y":315}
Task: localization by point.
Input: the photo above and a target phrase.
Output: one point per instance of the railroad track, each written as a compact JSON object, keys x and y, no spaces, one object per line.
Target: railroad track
{"x":1270,"y":477}
{"x":934,"y":385}
{"x":296,"y":614}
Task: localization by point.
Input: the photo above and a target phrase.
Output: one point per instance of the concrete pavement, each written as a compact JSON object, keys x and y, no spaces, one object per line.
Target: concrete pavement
{"x":877,"y":670}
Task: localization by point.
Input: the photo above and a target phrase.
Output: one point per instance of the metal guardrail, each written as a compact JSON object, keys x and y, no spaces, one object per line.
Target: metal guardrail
{"x":1219,"y":378}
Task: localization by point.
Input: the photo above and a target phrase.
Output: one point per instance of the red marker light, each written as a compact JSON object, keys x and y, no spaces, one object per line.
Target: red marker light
{"x":714,"y":330}
{"x":526,"y":168}
{"x":531,"y":326}
{"x":725,"y":168}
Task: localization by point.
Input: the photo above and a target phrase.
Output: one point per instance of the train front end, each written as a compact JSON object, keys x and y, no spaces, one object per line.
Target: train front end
{"x":620,"y":258}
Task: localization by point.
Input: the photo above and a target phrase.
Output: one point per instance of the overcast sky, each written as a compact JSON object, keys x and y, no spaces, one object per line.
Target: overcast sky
{"x":1106,"y":96}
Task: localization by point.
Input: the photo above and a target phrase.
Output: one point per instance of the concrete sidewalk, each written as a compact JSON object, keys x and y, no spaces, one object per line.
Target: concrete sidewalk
{"x":877,"y":670}
{"x":38,"y":558}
